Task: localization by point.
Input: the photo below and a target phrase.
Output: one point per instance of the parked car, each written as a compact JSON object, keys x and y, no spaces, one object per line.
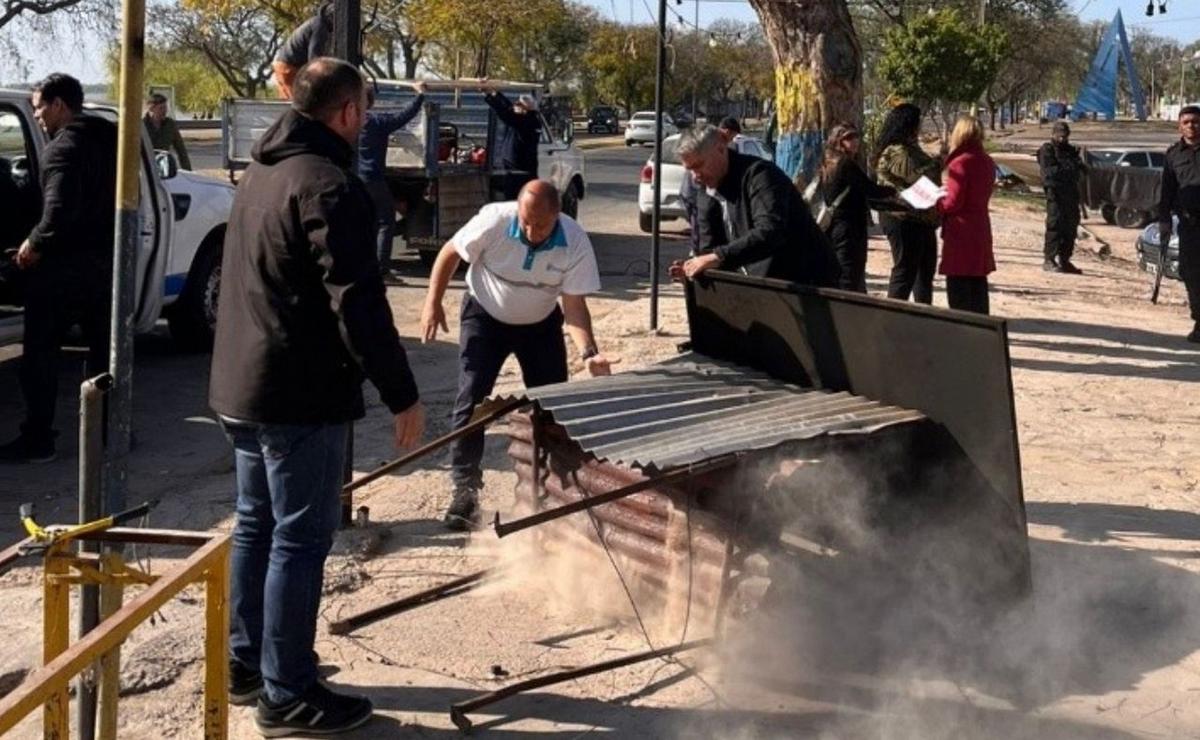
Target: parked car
{"x":640,"y":128}
{"x":1149,"y":251}
{"x":603,"y":118}
{"x":672,"y":180}
{"x":183,"y":217}
{"x":1124,"y":216}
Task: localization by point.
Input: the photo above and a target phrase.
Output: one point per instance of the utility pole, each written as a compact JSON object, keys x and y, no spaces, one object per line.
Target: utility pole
{"x":700,"y":48}
{"x":128,"y":238}
{"x":347,"y":44}
{"x":655,"y":236}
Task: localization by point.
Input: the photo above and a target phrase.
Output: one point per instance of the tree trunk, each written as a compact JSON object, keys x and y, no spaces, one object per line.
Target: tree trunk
{"x":818,"y":75}
{"x":391,"y":60}
{"x":412,"y":56}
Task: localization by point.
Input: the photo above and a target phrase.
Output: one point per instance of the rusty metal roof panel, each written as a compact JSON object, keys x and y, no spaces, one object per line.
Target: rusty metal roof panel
{"x":691,"y":409}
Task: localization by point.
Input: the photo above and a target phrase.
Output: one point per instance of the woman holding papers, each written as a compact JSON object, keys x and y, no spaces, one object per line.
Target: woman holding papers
{"x":847,"y":190}
{"x":967,"y":257}
{"x":899,"y":162}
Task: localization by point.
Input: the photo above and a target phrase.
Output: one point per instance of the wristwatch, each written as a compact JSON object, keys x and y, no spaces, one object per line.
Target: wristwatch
{"x":589,"y":353}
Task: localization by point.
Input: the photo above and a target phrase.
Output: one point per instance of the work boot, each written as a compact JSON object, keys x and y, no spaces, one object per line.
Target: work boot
{"x":1050,"y":266}
{"x":463,"y":514}
{"x":27,"y":450}
{"x":245,"y":684}
{"x":1195,"y":335}
{"x":1069,"y":269}
{"x":319,"y":712}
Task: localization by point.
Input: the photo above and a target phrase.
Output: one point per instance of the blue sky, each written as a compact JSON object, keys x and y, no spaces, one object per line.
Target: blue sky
{"x":1182,"y":22}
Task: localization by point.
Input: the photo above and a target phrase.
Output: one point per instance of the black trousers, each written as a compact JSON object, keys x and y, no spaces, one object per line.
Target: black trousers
{"x":512,"y":183}
{"x":914,"y":259}
{"x":850,"y":246}
{"x":968,"y":294}
{"x":58,"y":298}
{"x":483,"y":345}
{"x":1062,"y":225}
{"x":1189,"y":264}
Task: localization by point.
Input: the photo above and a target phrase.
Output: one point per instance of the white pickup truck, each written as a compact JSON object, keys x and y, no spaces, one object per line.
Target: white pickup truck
{"x":439,"y":167}
{"x":183,"y":227}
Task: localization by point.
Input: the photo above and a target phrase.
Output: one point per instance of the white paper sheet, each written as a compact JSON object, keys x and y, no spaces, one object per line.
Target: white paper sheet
{"x":923,"y":194}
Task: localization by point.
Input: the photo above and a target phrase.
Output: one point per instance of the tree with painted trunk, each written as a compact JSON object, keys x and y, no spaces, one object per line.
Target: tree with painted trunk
{"x":818,"y":76}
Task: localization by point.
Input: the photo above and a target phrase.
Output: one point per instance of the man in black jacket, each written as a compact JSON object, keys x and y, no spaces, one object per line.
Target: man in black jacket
{"x":517,"y":142}
{"x":67,"y":257}
{"x":1062,"y":168}
{"x":302,"y":318}
{"x":1181,"y":197}
{"x":751,"y":217}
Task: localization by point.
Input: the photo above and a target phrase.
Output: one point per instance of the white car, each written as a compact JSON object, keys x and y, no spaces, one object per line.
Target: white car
{"x":672,"y":179}
{"x":640,"y":128}
{"x":183,"y":217}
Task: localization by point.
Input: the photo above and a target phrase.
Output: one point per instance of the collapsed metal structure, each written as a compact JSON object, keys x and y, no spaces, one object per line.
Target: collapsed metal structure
{"x":789,"y":400}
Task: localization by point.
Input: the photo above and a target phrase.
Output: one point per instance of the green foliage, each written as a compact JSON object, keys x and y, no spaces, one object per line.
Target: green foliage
{"x":621,"y":61}
{"x":199,"y":88}
{"x":940,"y":57}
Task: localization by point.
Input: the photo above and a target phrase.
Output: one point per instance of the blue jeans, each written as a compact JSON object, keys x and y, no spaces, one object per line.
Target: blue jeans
{"x":289,"y":481}
{"x":385,"y":221}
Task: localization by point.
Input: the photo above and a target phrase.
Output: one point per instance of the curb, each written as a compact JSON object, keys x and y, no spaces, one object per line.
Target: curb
{"x":607,"y":142}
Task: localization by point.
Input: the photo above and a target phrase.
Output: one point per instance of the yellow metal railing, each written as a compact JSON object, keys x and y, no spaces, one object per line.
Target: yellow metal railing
{"x":47,"y":687}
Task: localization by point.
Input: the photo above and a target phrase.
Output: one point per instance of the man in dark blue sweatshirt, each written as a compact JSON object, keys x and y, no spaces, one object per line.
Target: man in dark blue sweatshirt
{"x":372,"y":161}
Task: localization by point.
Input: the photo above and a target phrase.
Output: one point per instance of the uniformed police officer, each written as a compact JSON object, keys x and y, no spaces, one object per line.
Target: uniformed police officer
{"x":1061,"y":169}
{"x":1181,"y":197}
{"x":531,"y":271}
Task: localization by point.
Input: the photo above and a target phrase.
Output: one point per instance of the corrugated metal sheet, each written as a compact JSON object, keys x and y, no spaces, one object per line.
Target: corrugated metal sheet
{"x":685,"y":411}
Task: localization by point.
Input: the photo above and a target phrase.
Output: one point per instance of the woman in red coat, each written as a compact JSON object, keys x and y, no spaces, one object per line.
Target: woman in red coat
{"x":967,"y":257}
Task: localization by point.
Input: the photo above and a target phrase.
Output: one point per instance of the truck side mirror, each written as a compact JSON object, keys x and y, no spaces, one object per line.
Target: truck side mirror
{"x":166,"y":163}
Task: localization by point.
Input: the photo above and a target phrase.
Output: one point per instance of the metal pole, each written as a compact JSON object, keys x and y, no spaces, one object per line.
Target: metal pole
{"x":347,"y":26}
{"x":91,"y":474}
{"x":347,"y":44}
{"x":655,"y":235}
{"x":700,"y":48}
{"x":128,"y":238}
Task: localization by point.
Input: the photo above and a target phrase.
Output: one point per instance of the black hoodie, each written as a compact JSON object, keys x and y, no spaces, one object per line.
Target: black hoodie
{"x":303,"y":313}
{"x":79,"y":182}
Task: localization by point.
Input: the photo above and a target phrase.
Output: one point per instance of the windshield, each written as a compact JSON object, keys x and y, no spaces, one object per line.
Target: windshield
{"x":643,"y":117}
{"x":1106,"y":157}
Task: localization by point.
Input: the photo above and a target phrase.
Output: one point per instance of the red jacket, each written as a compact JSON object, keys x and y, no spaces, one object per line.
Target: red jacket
{"x":966,"y":226}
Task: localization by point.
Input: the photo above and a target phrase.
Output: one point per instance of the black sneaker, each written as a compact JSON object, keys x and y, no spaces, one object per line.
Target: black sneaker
{"x":27,"y":450}
{"x":1050,"y":266}
{"x":463,"y":513}
{"x":318,"y":712}
{"x":1195,"y":335}
{"x":245,"y":684}
{"x":1069,"y":269}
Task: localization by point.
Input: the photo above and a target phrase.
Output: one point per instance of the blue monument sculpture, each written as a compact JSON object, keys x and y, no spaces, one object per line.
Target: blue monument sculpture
{"x":1098,"y":94}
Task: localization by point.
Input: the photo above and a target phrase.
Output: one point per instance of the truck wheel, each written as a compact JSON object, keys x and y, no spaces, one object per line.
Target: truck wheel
{"x":1109,"y":212}
{"x":193,"y":318}
{"x":570,"y":201}
{"x":646,"y":222}
{"x":1130,"y":218}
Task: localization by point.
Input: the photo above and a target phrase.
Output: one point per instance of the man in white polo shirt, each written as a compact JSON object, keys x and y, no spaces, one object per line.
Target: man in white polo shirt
{"x":526,"y":259}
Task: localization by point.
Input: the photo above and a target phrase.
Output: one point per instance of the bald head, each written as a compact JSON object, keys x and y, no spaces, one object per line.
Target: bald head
{"x":537,"y":211}
{"x":541,"y":195}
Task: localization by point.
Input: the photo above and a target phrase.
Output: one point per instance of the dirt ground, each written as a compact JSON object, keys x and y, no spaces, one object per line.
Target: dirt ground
{"x":1109,"y":424}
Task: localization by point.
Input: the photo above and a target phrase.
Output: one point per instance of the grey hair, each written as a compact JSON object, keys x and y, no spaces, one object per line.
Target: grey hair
{"x":699,"y":139}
